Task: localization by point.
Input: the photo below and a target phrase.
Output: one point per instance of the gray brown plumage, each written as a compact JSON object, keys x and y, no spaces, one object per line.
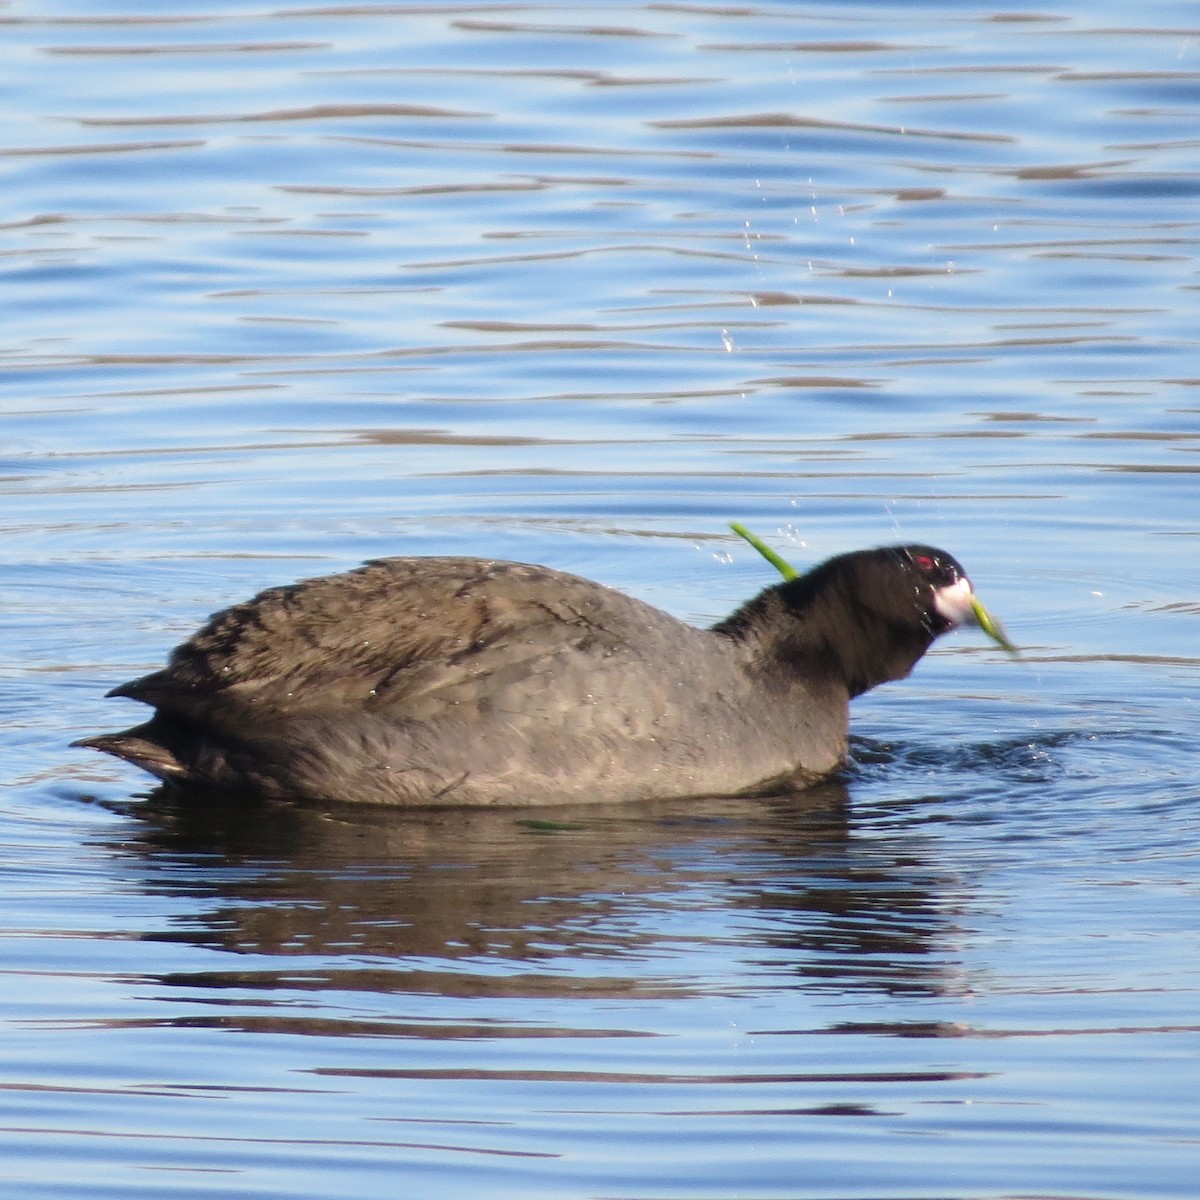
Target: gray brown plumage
{"x":458,"y":681}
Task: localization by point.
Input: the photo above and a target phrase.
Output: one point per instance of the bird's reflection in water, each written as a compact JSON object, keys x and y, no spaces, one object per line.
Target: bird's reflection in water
{"x":671,"y":899}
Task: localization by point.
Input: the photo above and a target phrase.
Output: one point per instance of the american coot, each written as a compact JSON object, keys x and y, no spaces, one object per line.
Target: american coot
{"x":465,"y":681}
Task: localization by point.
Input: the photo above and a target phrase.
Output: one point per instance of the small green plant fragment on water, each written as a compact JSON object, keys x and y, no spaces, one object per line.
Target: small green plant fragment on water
{"x":781,"y":564}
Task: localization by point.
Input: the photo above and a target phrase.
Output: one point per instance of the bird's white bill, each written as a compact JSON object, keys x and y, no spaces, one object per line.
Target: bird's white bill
{"x":958,"y":603}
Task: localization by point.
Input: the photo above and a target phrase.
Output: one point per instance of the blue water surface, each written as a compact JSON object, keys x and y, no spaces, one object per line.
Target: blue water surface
{"x":286,"y":288}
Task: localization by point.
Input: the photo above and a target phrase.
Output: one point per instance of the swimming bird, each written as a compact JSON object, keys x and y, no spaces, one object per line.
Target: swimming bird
{"x":468,"y":682}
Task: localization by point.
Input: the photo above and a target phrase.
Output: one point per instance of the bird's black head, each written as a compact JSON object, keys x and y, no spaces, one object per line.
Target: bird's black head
{"x":941,"y":591}
{"x":860,"y":619}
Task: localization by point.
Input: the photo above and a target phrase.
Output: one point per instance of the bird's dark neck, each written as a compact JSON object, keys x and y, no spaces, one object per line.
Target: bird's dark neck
{"x":819,"y":628}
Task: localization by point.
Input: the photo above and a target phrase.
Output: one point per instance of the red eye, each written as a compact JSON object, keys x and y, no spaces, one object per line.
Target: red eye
{"x":924,"y":563}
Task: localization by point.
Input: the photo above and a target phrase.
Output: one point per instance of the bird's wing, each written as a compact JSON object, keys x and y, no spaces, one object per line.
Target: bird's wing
{"x":401,"y":633}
